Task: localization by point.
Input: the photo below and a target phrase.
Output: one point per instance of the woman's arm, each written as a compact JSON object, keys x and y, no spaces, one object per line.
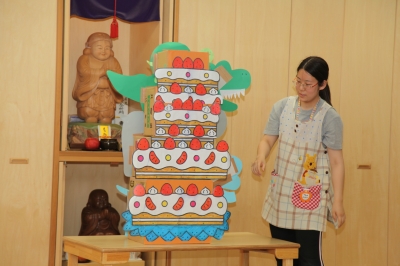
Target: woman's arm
{"x":264,"y":148}
{"x":337,"y":168}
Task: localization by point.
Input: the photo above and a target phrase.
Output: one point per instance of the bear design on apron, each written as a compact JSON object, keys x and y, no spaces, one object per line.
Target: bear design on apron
{"x":306,"y":190}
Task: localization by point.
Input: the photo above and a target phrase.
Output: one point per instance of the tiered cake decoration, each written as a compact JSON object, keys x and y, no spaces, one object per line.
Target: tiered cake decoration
{"x":177,"y":190}
{"x":184,"y":110}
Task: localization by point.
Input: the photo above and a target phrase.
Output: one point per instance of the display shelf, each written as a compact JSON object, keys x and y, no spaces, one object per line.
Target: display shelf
{"x":91,"y":156}
{"x":77,"y":172}
{"x":91,"y":263}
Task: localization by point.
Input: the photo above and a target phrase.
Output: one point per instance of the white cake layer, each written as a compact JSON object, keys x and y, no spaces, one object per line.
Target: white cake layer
{"x":188,"y":74}
{"x":165,"y":204}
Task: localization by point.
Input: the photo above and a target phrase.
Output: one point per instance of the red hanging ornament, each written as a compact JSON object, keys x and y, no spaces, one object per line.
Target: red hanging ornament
{"x":114,"y":23}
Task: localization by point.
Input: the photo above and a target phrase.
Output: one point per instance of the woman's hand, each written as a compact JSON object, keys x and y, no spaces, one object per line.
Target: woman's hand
{"x":258,"y":167}
{"x":337,"y":170}
{"x":264,"y":148}
{"x":338,"y":213}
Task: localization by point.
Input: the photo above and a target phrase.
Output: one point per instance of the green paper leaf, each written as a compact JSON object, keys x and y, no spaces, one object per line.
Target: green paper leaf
{"x":130,"y":86}
{"x":228,"y":106}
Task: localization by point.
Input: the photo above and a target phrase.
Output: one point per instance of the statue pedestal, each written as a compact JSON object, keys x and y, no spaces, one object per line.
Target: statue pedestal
{"x":78,"y":132}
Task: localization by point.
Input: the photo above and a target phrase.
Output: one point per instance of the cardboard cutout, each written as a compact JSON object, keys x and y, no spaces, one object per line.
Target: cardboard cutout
{"x":236,"y":84}
{"x":182,"y":174}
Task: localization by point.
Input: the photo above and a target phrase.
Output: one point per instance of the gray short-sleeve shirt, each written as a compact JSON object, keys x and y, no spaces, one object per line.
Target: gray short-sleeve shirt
{"x":332,"y":126}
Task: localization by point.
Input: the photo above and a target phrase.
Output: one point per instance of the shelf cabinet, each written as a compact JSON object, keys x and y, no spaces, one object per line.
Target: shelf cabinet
{"x":90,"y":157}
{"x":77,"y":173}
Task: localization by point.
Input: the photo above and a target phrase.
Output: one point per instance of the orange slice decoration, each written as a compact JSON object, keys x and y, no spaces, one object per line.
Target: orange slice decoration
{"x":179,"y":204}
{"x":149,"y":204}
{"x":207,"y":204}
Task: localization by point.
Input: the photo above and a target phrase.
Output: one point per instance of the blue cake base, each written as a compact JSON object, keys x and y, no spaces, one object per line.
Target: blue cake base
{"x":171,"y":232}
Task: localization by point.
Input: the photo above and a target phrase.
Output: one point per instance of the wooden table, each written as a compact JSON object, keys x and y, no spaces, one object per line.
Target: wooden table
{"x":109,"y":250}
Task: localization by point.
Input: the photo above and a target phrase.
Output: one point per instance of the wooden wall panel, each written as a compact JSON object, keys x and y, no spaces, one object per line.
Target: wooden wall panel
{"x":27,"y":74}
{"x":208,"y":24}
{"x":394,"y":165}
{"x":144,"y":38}
{"x":366,"y":81}
{"x":317,"y":32}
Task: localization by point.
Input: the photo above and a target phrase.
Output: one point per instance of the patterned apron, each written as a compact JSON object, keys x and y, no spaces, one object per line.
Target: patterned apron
{"x":300,"y":193}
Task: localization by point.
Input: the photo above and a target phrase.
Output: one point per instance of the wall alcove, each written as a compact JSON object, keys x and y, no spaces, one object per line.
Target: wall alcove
{"x":76,"y":172}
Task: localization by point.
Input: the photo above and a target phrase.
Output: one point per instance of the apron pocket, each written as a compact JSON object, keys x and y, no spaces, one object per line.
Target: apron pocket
{"x":306,"y":198}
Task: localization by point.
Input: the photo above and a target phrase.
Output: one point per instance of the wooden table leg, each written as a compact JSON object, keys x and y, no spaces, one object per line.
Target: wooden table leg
{"x":244,"y":258}
{"x":287,"y":262}
{"x":72,"y":260}
{"x":168,"y":258}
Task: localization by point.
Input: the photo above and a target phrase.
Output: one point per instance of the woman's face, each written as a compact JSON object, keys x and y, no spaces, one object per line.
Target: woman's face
{"x":101,"y":50}
{"x":307,"y":87}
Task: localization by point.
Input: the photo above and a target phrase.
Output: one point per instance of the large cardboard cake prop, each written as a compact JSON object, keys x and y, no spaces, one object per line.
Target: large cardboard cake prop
{"x":182,"y":174}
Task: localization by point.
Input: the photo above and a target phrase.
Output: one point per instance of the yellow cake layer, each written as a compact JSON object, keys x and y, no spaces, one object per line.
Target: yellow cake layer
{"x":186,"y":123}
{"x":149,"y":172}
{"x":182,"y":82}
{"x":194,"y":219}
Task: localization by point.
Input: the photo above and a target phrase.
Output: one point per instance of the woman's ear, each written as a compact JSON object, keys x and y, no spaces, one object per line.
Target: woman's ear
{"x":323,"y":85}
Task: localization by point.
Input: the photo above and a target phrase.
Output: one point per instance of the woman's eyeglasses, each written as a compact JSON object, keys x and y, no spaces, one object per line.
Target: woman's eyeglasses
{"x":306,"y":86}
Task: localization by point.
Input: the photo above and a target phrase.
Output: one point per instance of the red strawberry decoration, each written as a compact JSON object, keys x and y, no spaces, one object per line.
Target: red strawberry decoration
{"x":149,"y":204}
{"x":218,"y":191}
{"x":166,"y":189}
{"x":222,"y":146}
{"x":198,"y":64}
{"x":175,"y":88}
{"x":215,"y":109}
{"x":217,"y":101}
{"x":195,"y":144}
{"x":187,"y":63}
{"x":179,"y":204}
{"x":192,"y":190}
{"x":207,"y":204}
{"x":143,"y":144}
{"x":169,"y":144}
{"x":200,"y":89}
{"x":198,"y":105}
{"x":210,"y":159}
{"x":153,"y":158}
{"x":198,"y":131}
{"x":173,"y":130}
{"x":177,"y":62}
{"x":139,"y":190}
{"x":177,"y":104}
{"x":182,"y":159}
{"x":188,"y":104}
{"x":159,"y":98}
{"x":158,"y":106}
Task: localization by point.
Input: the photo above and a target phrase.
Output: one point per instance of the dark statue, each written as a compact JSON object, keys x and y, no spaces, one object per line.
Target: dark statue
{"x":98,"y":217}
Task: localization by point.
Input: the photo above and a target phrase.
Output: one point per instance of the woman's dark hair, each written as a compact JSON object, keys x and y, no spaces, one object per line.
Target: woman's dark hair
{"x":319,"y":69}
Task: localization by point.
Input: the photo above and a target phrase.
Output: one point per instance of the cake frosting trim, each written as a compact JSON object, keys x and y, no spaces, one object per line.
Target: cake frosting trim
{"x":188,"y":74}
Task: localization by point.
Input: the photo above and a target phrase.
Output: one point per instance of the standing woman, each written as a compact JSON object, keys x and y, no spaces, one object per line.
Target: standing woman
{"x":307,"y":182}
